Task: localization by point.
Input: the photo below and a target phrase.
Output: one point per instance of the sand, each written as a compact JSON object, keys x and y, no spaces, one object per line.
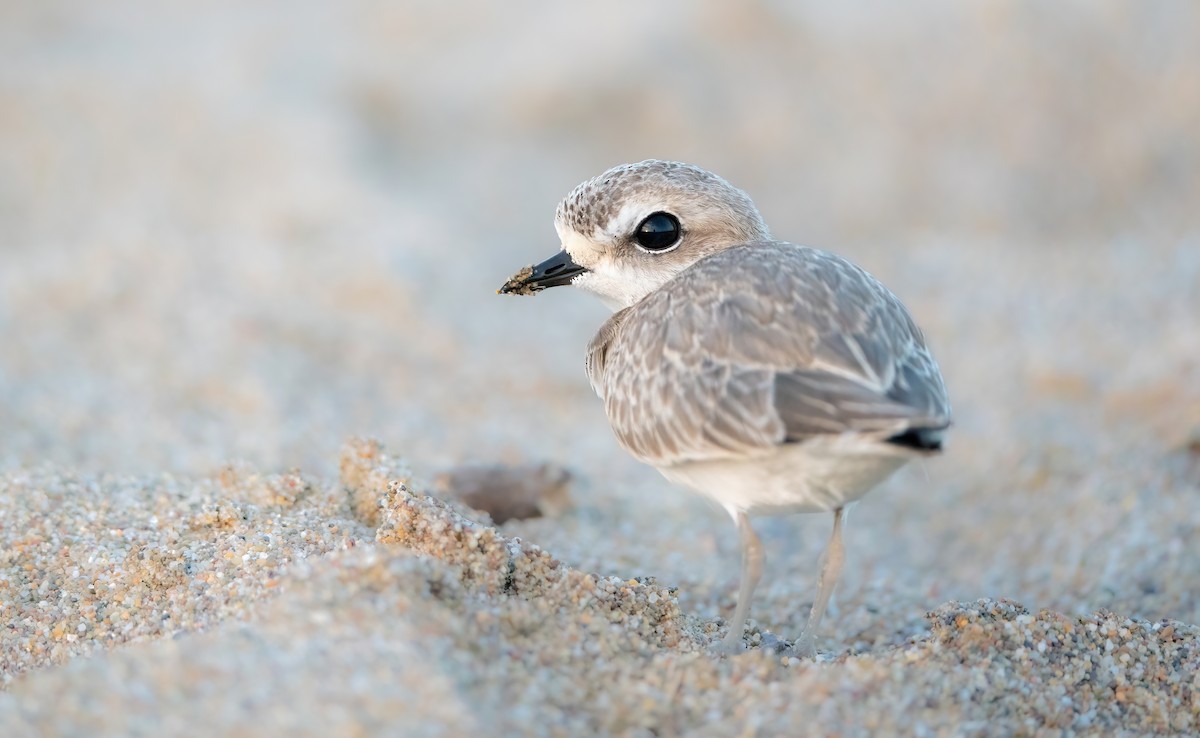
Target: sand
{"x":235,"y":238}
{"x":515,"y":285}
{"x":249,"y":605}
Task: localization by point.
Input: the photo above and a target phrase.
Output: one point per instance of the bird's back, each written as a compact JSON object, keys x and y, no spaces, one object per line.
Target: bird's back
{"x":760,"y":346}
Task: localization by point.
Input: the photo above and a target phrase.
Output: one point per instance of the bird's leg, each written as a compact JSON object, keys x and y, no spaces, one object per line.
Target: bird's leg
{"x":831,"y":567}
{"x":752,"y":568}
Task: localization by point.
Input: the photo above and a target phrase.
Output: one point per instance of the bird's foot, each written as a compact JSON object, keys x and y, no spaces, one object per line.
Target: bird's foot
{"x":731,"y":645}
{"x":803,"y":649}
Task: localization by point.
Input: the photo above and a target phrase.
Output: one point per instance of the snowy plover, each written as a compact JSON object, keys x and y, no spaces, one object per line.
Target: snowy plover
{"x":771,"y":377}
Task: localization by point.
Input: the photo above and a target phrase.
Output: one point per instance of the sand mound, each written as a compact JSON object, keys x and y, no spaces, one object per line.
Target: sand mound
{"x":264,"y":603}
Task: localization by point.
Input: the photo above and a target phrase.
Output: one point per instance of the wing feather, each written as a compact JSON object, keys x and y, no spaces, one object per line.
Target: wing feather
{"x":761,"y":345}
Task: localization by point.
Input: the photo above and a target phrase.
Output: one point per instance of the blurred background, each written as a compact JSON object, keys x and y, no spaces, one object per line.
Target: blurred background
{"x":235,"y":231}
{"x":232,"y":232}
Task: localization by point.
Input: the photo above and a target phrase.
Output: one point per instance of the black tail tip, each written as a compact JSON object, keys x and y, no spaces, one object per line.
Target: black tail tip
{"x":920,"y":439}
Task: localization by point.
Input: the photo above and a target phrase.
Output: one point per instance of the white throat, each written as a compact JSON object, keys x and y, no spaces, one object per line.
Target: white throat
{"x":619,"y":288}
{"x":618,"y":283}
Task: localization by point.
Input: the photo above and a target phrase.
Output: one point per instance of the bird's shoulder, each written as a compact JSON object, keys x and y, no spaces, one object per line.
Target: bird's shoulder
{"x":777,"y":304}
{"x":758,"y":345}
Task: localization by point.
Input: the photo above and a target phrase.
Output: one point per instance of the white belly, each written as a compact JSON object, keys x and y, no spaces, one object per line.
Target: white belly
{"x":815,"y":476}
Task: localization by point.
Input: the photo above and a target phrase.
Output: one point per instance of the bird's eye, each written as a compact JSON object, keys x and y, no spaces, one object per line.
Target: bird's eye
{"x":658,"y":232}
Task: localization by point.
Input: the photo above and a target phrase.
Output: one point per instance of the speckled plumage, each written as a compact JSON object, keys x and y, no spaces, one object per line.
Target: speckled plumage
{"x":770,"y":377}
{"x":591,"y":205}
{"x":759,"y":346}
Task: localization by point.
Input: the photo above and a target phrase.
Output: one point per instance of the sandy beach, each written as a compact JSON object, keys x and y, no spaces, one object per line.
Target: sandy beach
{"x":249,"y":341}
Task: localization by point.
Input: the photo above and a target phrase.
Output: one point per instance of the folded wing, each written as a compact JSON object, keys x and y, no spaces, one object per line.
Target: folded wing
{"x":762,"y":345}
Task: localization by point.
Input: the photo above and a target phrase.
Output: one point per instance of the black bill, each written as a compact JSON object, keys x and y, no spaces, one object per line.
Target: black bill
{"x":553,"y":272}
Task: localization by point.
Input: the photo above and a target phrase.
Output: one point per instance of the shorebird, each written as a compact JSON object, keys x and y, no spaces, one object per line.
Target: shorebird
{"x":770,"y":377}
